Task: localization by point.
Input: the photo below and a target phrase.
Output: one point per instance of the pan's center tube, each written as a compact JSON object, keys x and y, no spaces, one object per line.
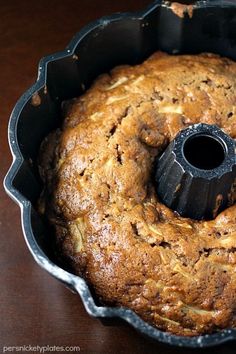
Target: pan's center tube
{"x":196,"y":174}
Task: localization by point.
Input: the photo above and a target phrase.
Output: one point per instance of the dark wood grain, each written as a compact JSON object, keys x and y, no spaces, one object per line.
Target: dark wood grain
{"x":34,"y":308}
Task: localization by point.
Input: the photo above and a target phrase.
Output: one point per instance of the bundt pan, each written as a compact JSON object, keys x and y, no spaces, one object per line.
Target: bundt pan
{"x":207,"y":26}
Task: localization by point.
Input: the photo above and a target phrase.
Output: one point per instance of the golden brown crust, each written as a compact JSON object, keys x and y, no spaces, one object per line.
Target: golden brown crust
{"x":176,"y":273}
{"x":181,"y":9}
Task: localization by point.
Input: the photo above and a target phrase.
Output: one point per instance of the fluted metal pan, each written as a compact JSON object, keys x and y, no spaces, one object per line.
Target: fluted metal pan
{"x":126,"y":38}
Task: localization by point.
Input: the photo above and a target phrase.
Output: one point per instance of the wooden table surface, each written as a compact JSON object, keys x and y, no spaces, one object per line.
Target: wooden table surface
{"x":35,"y":309}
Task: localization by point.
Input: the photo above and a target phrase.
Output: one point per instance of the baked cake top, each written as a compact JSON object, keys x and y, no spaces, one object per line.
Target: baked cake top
{"x":176,"y":273}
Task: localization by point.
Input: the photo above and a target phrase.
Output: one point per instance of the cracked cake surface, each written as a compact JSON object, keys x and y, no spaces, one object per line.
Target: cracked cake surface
{"x":176,"y":273}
